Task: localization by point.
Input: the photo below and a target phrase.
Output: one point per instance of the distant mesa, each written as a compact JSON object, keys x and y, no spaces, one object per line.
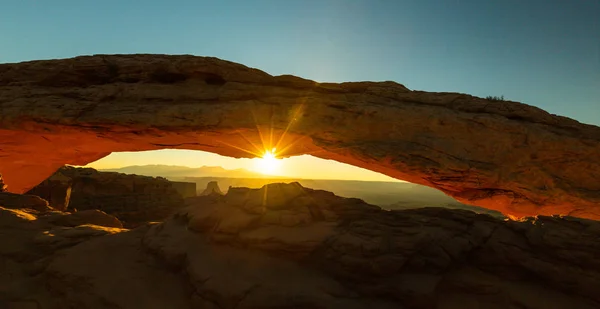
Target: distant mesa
{"x":212,"y":188}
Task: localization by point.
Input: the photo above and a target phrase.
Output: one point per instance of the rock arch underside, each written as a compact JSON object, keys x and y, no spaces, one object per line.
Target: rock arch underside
{"x":501,"y":155}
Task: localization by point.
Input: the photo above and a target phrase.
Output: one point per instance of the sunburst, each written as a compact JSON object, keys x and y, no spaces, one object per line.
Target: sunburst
{"x":272,"y":146}
{"x":269,"y":164}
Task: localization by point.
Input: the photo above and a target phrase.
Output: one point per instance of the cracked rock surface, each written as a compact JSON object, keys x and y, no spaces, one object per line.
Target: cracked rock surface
{"x":285,"y":246}
{"x":506,"y":156}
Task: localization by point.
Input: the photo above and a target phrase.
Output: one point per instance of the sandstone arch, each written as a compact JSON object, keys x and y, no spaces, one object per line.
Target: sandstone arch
{"x":501,"y":155}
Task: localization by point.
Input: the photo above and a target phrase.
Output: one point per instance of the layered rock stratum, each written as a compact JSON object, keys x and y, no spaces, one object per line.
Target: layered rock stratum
{"x":285,"y":246}
{"x":502,"y":155}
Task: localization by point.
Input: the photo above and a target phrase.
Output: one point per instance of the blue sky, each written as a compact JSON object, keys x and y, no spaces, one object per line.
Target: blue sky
{"x":541,"y":52}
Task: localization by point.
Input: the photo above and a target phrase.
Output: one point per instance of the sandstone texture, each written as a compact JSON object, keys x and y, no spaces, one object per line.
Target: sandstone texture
{"x":133,"y":199}
{"x":285,"y":246}
{"x":506,"y":156}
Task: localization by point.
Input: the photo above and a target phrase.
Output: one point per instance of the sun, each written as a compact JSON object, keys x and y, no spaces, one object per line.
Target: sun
{"x":268,"y":164}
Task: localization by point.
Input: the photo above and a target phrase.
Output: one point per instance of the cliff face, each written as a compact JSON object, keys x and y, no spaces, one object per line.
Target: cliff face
{"x":506,"y":156}
{"x":285,"y":246}
{"x":131,"y":198}
{"x":56,"y":190}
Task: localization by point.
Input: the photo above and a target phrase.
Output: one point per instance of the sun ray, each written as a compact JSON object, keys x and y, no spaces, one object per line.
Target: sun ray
{"x":260,"y":133}
{"x":242,"y":149}
{"x":289,"y":125}
{"x":290,"y":145}
{"x":270,"y":145}
{"x":271,"y":149}
{"x":257,"y":148}
{"x":264,"y":202}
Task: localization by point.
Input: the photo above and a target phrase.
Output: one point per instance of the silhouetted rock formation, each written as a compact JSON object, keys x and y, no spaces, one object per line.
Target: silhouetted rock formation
{"x":285,"y":246}
{"x":131,"y":198}
{"x":505,"y":156}
{"x":56,"y":190}
{"x":212,"y":188}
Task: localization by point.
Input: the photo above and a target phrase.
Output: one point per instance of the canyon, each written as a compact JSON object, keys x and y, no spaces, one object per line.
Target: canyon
{"x":77,"y":238}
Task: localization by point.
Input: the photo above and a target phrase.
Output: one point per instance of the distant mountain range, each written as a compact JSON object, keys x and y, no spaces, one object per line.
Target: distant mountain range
{"x":185,"y":171}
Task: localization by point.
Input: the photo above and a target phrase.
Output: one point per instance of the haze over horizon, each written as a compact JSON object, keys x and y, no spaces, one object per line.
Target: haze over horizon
{"x":305,"y":166}
{"x":542,"y":53}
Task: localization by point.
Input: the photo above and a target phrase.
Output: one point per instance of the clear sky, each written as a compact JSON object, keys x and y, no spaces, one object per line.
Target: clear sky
{"x":541,"y":52}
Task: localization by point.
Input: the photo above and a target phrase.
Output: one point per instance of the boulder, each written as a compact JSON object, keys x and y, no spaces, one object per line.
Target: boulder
{"x":17,"y":201}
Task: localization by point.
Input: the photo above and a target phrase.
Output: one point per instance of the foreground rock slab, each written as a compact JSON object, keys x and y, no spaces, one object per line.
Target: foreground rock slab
{"x":505,"y":156}
{"x":285,"y":246}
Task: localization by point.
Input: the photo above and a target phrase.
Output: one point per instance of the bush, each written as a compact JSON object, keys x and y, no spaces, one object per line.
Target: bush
{"x":495,"y":98}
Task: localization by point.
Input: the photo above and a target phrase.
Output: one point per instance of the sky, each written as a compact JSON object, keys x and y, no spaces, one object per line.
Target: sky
{"x":544,"y":53}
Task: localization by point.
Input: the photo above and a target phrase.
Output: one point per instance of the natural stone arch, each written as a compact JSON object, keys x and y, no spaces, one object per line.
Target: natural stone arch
{"x":506,"y":156}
